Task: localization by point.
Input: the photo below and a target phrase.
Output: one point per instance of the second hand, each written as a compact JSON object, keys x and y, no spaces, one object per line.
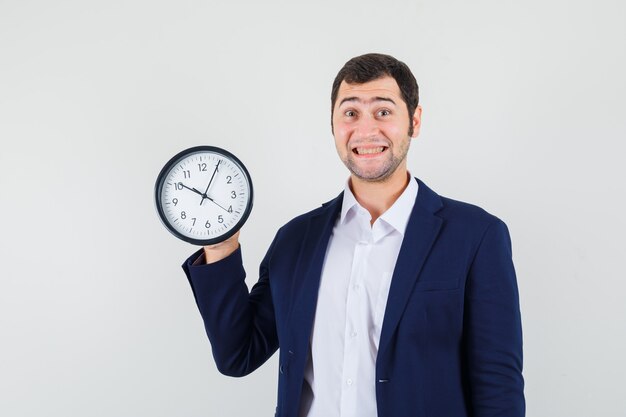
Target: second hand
{"x":213,"y":201}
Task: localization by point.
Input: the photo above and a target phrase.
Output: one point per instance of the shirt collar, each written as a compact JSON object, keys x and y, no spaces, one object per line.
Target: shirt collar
{"x":397,"y":216}
{"x":349,"y":203}
{"x":399,"y":213}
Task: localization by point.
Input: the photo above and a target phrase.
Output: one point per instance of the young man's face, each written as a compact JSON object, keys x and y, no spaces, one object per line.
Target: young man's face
{"x":371,"y":125}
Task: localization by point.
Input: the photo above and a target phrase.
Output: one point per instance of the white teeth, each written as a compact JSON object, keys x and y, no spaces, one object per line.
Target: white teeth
{"x":365,"y":151}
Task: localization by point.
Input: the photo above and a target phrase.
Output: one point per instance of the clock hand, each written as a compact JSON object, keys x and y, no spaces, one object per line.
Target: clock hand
{"x":210,"y":181}
{"x":213,"y":201}
{"x":203,"y":196}
{"x":193,"y":189}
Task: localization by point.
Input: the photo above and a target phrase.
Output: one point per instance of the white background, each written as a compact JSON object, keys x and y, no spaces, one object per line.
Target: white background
{"x":523,"y":115}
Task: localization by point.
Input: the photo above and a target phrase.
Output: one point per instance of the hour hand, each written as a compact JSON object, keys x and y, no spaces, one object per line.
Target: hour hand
{"x":192,"y":189}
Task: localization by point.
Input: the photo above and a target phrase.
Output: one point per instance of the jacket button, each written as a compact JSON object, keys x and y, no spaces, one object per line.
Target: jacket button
{"x":280,"y":369}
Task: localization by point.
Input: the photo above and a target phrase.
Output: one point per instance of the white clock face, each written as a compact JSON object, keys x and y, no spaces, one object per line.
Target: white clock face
{"x":204,"y":195}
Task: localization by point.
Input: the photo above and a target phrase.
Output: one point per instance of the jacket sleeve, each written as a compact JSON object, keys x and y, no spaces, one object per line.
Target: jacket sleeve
{"x":240,"y":324}
{"x":493,"y":329}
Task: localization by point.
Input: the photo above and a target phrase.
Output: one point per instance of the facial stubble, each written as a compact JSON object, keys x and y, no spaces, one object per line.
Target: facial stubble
{"x":385,"y":171}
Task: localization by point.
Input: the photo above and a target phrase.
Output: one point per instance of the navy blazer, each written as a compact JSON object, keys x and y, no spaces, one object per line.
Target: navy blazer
{"x":451,"y":340}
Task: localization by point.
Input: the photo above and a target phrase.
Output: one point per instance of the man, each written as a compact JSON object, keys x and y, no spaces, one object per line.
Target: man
{"x":389,"y":300}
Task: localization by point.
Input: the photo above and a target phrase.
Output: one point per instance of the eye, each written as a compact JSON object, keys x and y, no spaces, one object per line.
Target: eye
{"x":383,"y":112}
{"x":349,"y":113}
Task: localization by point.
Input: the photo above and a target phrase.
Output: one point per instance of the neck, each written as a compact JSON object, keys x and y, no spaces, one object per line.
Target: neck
{"x":377,"y":197}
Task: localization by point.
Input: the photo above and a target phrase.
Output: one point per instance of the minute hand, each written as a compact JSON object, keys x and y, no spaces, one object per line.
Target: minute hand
{"x":210,"y":181}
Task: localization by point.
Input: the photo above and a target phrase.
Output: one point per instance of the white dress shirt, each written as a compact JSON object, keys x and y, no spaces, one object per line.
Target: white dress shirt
{"x":339,"y":378}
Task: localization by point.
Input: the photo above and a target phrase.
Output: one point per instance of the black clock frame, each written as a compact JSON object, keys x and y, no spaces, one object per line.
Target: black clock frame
{"x":158,"y":188}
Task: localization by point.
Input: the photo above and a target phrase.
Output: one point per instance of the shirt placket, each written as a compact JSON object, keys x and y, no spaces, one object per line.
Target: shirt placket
{"x":354,"y":326}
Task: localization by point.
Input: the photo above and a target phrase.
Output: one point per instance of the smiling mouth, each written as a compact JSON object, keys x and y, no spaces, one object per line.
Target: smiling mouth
{"x":369,"y":150}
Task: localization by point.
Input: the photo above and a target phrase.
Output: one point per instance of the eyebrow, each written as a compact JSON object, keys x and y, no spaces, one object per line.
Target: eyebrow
{"x":347,"y":99}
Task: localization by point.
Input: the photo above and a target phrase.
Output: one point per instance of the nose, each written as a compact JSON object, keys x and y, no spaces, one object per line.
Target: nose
{"x":367,"y":127}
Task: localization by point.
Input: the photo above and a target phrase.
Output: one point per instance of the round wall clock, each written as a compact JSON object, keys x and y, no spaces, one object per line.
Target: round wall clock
{"x":204,"y":195}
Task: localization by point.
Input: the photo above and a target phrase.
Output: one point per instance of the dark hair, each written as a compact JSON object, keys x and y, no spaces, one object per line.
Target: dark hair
{"x":370,"y":67}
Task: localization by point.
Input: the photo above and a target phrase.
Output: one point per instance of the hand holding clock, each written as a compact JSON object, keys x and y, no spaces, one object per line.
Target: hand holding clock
{"x":219,"y":251}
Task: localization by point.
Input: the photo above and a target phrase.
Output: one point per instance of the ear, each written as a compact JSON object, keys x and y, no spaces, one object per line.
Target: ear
{"x":416,"y":121}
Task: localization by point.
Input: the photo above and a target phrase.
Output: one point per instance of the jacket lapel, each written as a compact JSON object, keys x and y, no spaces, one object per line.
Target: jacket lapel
{"x":421,"y":232}
{"x":305,"y":289}
{"x":308,"y":272}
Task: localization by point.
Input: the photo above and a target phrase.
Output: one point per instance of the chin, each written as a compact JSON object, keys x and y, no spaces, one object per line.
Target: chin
{"x":371,"y":176}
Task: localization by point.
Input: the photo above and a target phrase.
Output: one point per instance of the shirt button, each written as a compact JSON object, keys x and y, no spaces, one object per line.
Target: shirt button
{"x":353,"y":334}
{"x":356,"y":287}
{"x":349,"y":381}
